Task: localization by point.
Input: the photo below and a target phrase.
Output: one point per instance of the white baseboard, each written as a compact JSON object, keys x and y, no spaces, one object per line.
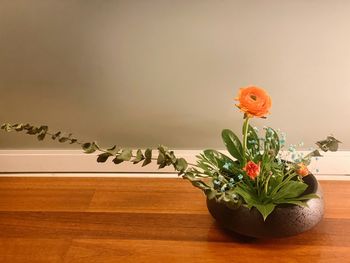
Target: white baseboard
{"x":74,"y":162}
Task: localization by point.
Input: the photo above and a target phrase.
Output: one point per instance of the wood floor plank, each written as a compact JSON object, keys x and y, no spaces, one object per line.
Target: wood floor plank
{"x":23,"y":250}
{"x":123,"y":184}
{"x":45,"y":199}
{"x":337,"y":199}
{"x":132,"y":226}
{"x":152,"y":201}
{"x":108,"y":251}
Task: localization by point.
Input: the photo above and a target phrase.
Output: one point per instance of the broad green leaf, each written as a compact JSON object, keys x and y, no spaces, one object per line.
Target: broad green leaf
{"x":265,"y":209}
{"x":291,"y":189}
{"x":233,"y":144}
{"x":307,"y":197}
{"x":274,"y":182}
{"x":247,"y":193}
{"x":293,"y":202}
{"x":253,"y":144}
{"x":272,"y":143}
{"x":219,"y":158}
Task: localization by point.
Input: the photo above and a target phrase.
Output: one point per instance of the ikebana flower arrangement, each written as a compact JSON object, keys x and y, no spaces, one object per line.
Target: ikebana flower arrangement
{"x":256,"y":176}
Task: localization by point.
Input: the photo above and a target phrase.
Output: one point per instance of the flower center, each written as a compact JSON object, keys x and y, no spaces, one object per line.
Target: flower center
{"x":253,"y":97}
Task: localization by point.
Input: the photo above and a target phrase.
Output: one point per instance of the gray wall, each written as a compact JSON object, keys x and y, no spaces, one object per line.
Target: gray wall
{"x":140,"y":73}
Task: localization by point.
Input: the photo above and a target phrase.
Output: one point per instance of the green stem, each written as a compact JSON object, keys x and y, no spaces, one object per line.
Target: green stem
{"x":245,"y":135}
{"x":257,"y":186}
{"x":267,"y":183}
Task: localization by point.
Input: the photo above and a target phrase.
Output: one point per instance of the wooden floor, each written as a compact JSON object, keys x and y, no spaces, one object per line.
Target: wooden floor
{"x":147,"y":220}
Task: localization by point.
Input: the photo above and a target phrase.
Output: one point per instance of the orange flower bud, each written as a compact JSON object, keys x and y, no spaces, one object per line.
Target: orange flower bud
{"x":252,"y":169}
{"x":302,"y":170}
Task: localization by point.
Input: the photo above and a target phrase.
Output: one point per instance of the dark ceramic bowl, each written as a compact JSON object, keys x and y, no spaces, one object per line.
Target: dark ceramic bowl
{"x":285,"y":220}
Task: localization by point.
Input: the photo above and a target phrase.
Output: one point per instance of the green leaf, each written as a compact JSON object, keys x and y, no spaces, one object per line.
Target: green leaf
{"x":148,"y":157}
{"x":89,"y":147}
{"x":171,"y":157}
{"x":43,"y":129}
{"x":103,"y":157}
{"x":330,"y":143}
{"x":113,"y":150}
{"x":248,"y":193}
{"x":293,"y":202}
{"x":272,"y":143}
{"x":41,"y":136}
{"x":63,"y":139}
{"x":54,"y":136}
{"x":290,"y":189}
{"x":181,"y":165}
{"x":7,"y":127}
{"x":201,"y":185}
{"x":219,"y":159}
{"x":117,"y":161}
{"x":307,"y":159}
{"x":125,"y":155}
{"x":211,"y":193}
{"x":32,"y":130}
{"x":18,"y":127}
{"x":162,"y":165}
{"x":253,"y":144}
{"x":307,"y":197}
{"x":161,"y":158}
{"x":146,"y":162}
{"x":73,"y":141}
{"x":233,"y":144}
{"x":139,"y":157}
{"x":265,"y":209}
{"x":148,"y":153}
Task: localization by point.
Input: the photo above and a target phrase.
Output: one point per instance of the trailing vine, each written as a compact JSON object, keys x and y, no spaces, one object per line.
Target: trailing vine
{"x":164,"y":158}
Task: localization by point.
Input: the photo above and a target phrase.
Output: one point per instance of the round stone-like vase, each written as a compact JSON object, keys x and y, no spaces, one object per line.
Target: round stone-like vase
{"x":285,"y":220}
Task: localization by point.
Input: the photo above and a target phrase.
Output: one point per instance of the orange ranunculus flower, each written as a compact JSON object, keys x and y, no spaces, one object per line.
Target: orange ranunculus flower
{"x":252,"y":169}
{"x":302,"y":170}
{"x":254,"y":101}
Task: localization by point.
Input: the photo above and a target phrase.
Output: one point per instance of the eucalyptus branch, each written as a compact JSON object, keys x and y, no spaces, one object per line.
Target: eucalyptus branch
{"x":165,"y":156}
